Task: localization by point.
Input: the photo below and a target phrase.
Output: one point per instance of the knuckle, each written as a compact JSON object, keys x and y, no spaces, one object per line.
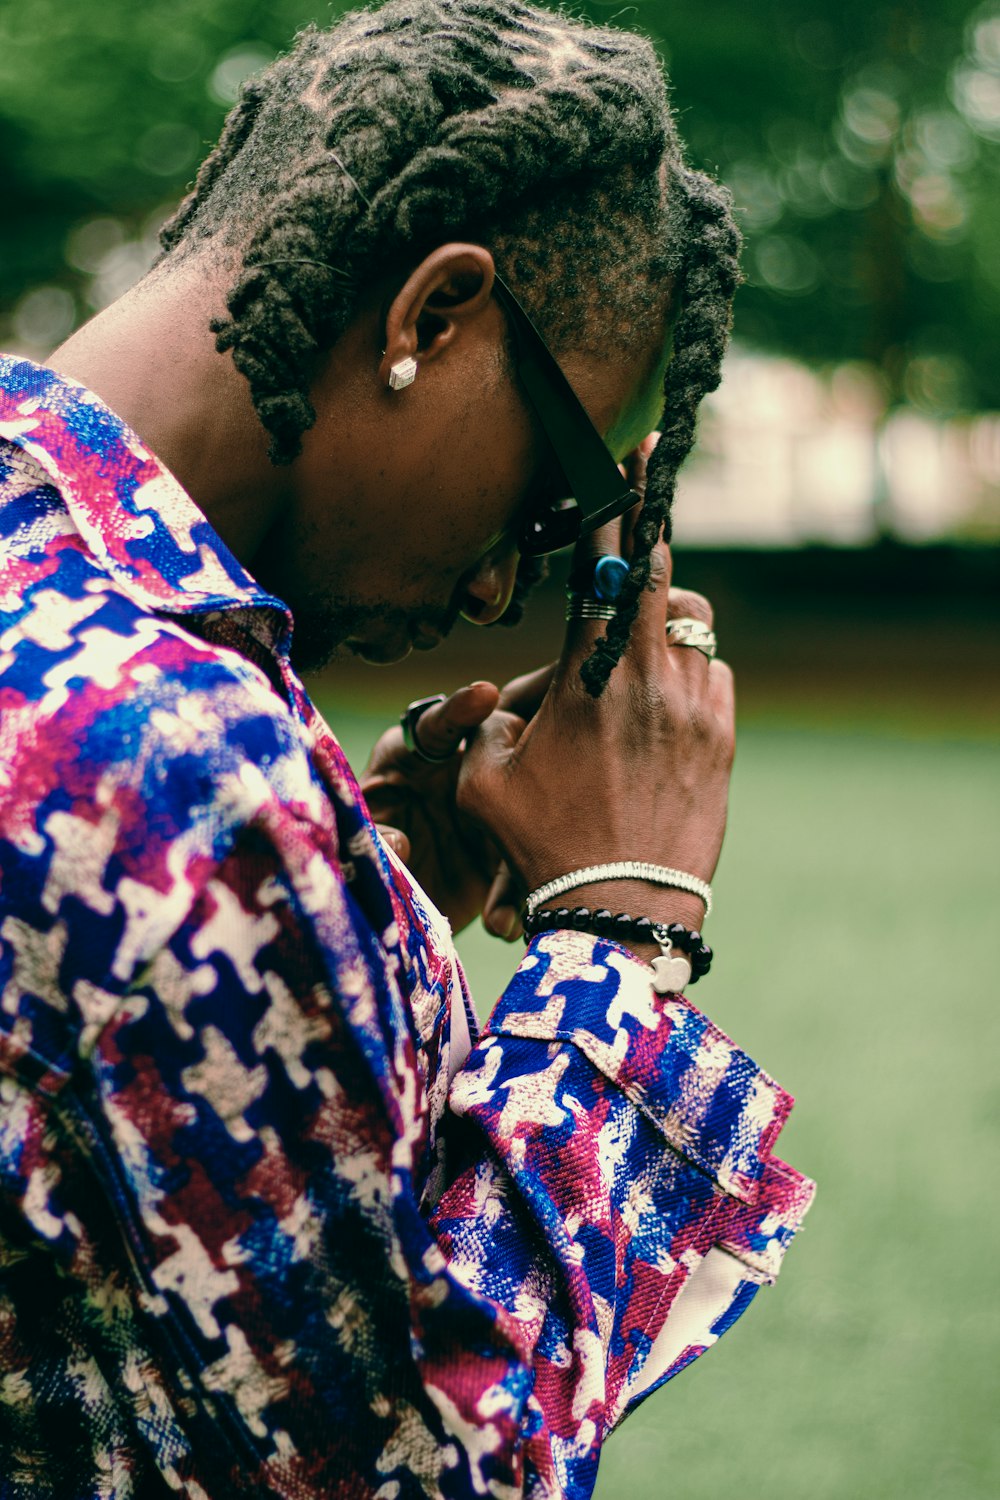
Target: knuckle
{"x":687,"y":602}
{"x":659,"y":572}
{"x":469,"y":794}
{"x":650,"y":708}
{"x":702,"y":723}
{"x":700,"y":726}
{"x":720,"y":677}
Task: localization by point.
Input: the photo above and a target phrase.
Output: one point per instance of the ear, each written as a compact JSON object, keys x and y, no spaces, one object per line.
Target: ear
{"x":448,"y":290}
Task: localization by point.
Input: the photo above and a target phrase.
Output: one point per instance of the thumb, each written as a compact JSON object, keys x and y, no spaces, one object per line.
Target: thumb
{"x":443,"y":727}
{"x":396,"y":839}
{"x":523,"y":695}
{"x":488,"y":751}
{"x":502,"y":907}
{"x":495,"y":738}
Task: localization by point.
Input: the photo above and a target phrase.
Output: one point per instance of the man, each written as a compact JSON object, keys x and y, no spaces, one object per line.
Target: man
{"x":274,"y":1220}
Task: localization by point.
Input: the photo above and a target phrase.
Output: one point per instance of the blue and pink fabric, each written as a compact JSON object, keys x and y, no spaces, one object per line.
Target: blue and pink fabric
{"x":274,"y":1218}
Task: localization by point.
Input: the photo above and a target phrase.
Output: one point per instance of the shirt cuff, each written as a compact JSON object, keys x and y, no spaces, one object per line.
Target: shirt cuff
{"x":710,"y":1101}
{"x":759,"y":1234}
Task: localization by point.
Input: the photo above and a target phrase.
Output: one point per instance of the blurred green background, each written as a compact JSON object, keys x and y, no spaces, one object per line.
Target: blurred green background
{"x":860,"y":139}
{"x":856,"y":937}
{"x":856,"y":925}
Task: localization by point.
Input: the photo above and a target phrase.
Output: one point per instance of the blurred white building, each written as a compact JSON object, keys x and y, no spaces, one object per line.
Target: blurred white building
{"x":787,"y":457}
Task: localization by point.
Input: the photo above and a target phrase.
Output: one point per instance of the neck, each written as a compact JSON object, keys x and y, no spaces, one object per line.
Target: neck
{"x":151,"y":357}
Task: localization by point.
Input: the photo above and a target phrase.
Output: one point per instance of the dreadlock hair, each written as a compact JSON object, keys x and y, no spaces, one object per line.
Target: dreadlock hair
{"x":547,"y":139}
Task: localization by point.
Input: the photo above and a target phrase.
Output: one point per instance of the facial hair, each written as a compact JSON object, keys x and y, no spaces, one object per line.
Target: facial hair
{"x":327,"y":628}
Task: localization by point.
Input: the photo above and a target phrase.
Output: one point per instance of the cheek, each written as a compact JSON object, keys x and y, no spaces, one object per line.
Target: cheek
{"x":432,"y":500}
{"x":490,"y":469}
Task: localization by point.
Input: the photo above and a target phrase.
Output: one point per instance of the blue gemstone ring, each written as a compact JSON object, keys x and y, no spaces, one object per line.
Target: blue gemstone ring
{"x":610,"y":573}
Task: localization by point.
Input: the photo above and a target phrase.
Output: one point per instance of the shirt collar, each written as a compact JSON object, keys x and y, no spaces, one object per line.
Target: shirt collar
{"x":133,"y":514}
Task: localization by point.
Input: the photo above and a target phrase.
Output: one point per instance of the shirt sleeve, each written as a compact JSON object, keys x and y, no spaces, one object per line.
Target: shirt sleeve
{"x":640,"y":1141}
{"x":323,"y":1313}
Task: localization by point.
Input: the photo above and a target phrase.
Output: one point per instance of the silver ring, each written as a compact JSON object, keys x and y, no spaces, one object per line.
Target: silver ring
{"x":586,"y":607}
{"x":688,"y":631}
{"x":408,"y":723}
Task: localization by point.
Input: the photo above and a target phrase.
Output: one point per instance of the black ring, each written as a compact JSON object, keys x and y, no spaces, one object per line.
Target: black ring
{"x":408,"y":723}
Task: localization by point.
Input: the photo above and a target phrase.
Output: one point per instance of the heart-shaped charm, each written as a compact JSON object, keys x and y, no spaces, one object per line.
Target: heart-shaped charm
{"x":670,"y":975}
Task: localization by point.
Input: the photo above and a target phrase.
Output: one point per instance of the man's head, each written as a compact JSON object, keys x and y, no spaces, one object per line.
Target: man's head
{"x":547,"y":142}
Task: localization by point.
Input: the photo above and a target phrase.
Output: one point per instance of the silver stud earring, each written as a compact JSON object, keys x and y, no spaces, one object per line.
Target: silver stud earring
{"x":402,"y":373}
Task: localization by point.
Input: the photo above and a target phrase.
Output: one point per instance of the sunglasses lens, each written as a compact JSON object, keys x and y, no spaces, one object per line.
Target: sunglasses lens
{"x":551,"y":529}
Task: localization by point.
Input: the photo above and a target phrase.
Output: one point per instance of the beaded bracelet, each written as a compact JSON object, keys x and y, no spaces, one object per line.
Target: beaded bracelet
{"x":624,"y":928}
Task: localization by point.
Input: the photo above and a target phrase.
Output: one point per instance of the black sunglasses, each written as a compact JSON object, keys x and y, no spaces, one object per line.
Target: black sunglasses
{"x":595,"y":491}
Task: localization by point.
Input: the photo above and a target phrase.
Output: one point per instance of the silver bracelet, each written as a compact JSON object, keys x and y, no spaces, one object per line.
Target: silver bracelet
{"x":622,"y":869}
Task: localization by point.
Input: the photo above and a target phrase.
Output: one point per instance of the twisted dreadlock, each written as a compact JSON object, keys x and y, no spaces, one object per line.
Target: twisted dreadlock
{"x":547,"y":139}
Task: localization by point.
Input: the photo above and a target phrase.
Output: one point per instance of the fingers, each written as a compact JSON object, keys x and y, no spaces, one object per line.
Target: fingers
{"x":634,"y":467}
{"x":496,"y":736}
{"x":721,"y":692}
{"x":502,"y":907}
{"x":647,"y":642}
{"x":618,"y":536}
{"x":648,"y":630}
{"x":441,"y":729}
{"x":683,"y":657}
{"x":523,"y":695}
{"x":657,"y":605}
{"x":582,"y":634}
{"x":660,"y":561}
{"x":396,"y":839}
{"x":684,"y":602}
{"x":488,"y":750}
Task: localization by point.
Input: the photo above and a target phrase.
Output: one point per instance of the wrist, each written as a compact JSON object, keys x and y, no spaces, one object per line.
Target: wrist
{"x":658,"y":903}
{"x":661,"y":905}
{"x":636,"y":871}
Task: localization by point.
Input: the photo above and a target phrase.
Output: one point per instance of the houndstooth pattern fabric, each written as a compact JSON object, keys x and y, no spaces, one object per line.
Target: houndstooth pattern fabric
{"x":266,"y":1226}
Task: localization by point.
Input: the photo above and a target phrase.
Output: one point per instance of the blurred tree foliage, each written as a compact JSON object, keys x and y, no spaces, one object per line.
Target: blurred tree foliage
{"x":861,"y":139}
{"x":862,"y":143}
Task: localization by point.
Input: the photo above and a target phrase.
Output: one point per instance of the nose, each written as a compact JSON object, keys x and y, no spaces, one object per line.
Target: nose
{"x":487,"y":592}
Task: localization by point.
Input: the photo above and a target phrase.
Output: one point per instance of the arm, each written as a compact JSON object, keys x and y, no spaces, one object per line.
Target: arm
{"x":275,"y":1283}
{"x":255,"y":1117}
{"x":640,"y":1141}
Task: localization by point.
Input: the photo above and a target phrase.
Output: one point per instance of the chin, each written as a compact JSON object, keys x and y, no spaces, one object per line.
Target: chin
{"x":377,"y":634}
{"x":379,"y":653}
{"x":322,"y":634}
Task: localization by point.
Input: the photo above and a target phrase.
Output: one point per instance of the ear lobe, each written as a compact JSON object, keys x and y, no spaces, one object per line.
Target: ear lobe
{"x":448,"y":290}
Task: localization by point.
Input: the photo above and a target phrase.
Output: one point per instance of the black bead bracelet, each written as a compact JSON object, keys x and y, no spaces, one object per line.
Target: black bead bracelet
{"x":623,"y":928}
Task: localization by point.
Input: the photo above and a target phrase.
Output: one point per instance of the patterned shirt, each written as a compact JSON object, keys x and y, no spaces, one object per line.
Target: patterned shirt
{"x":275,"y":1219}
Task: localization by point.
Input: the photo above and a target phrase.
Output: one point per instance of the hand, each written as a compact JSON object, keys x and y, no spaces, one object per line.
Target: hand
{"x":640,"y":773}
{"x":413,"y":801}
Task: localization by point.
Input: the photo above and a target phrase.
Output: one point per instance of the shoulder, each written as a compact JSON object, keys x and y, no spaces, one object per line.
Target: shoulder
{"x":101,"y":687}
{"x":136,"y":761}
{"x":132,"y":755}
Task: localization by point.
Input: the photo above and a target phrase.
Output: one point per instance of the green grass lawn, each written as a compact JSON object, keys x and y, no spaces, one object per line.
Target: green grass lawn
{"x":856,"y":935}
